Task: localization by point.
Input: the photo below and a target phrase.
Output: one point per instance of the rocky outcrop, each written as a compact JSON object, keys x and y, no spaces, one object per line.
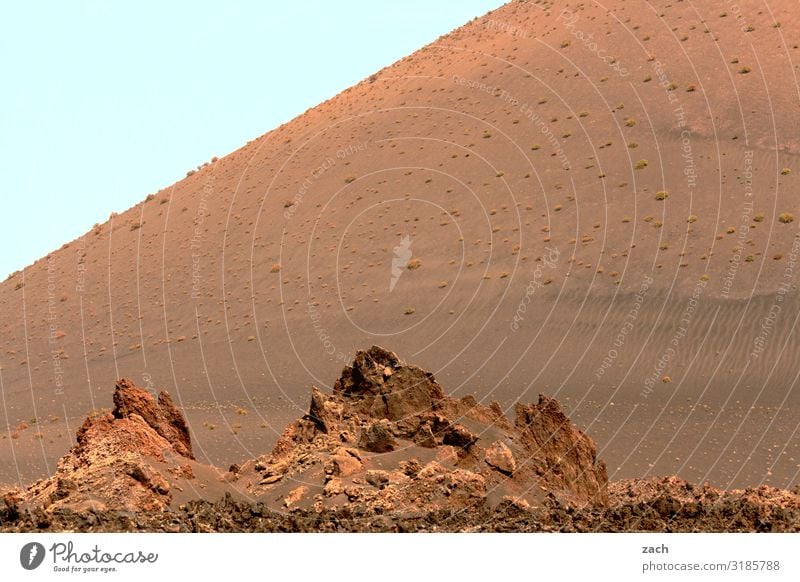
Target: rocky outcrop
{"x":161,"y":415}
{"x":125,"y":459}
{"x":387,"y":450}
{"x":558,"y":450}
{"x":378,"y":385}
{"x":388,"y":437}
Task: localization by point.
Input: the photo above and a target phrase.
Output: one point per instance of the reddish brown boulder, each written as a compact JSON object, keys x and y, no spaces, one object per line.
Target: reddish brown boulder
{"x":501,"y":458}
{"x":458,"y":435}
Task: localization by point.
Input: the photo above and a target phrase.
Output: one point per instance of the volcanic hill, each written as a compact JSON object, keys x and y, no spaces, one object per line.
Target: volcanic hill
{"x":592,"y":201}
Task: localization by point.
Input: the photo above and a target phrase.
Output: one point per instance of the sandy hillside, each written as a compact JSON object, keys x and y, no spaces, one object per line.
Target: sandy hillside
{"x":592,"y":201}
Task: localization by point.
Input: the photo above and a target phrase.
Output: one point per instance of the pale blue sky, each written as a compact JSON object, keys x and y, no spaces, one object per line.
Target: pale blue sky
{"x":102,"y":103}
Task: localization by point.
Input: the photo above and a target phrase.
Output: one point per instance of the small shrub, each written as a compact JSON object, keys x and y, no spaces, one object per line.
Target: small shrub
{"x":785,"y":217}
{"x":409,"y":311}
{"x":275,"y":268}
{"x":786,"y":171}
{"x":759,"y":217}
{"x":662,"y":195}
{"x":640,"y":165}
{"x":691,"y":218}
{"x":414,"y":264}
{"x":630,"y":122}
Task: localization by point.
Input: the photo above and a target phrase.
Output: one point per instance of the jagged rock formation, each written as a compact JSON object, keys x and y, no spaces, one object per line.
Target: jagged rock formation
{"x":161,"y":415}
{"x":386,"y":451}
{"x":125,"y":459}
{"x":388,"y":437}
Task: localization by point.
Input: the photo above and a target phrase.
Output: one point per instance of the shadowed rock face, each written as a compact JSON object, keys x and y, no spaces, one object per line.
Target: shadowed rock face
{"x":380,"y":386}
{"x":388,"y":437}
